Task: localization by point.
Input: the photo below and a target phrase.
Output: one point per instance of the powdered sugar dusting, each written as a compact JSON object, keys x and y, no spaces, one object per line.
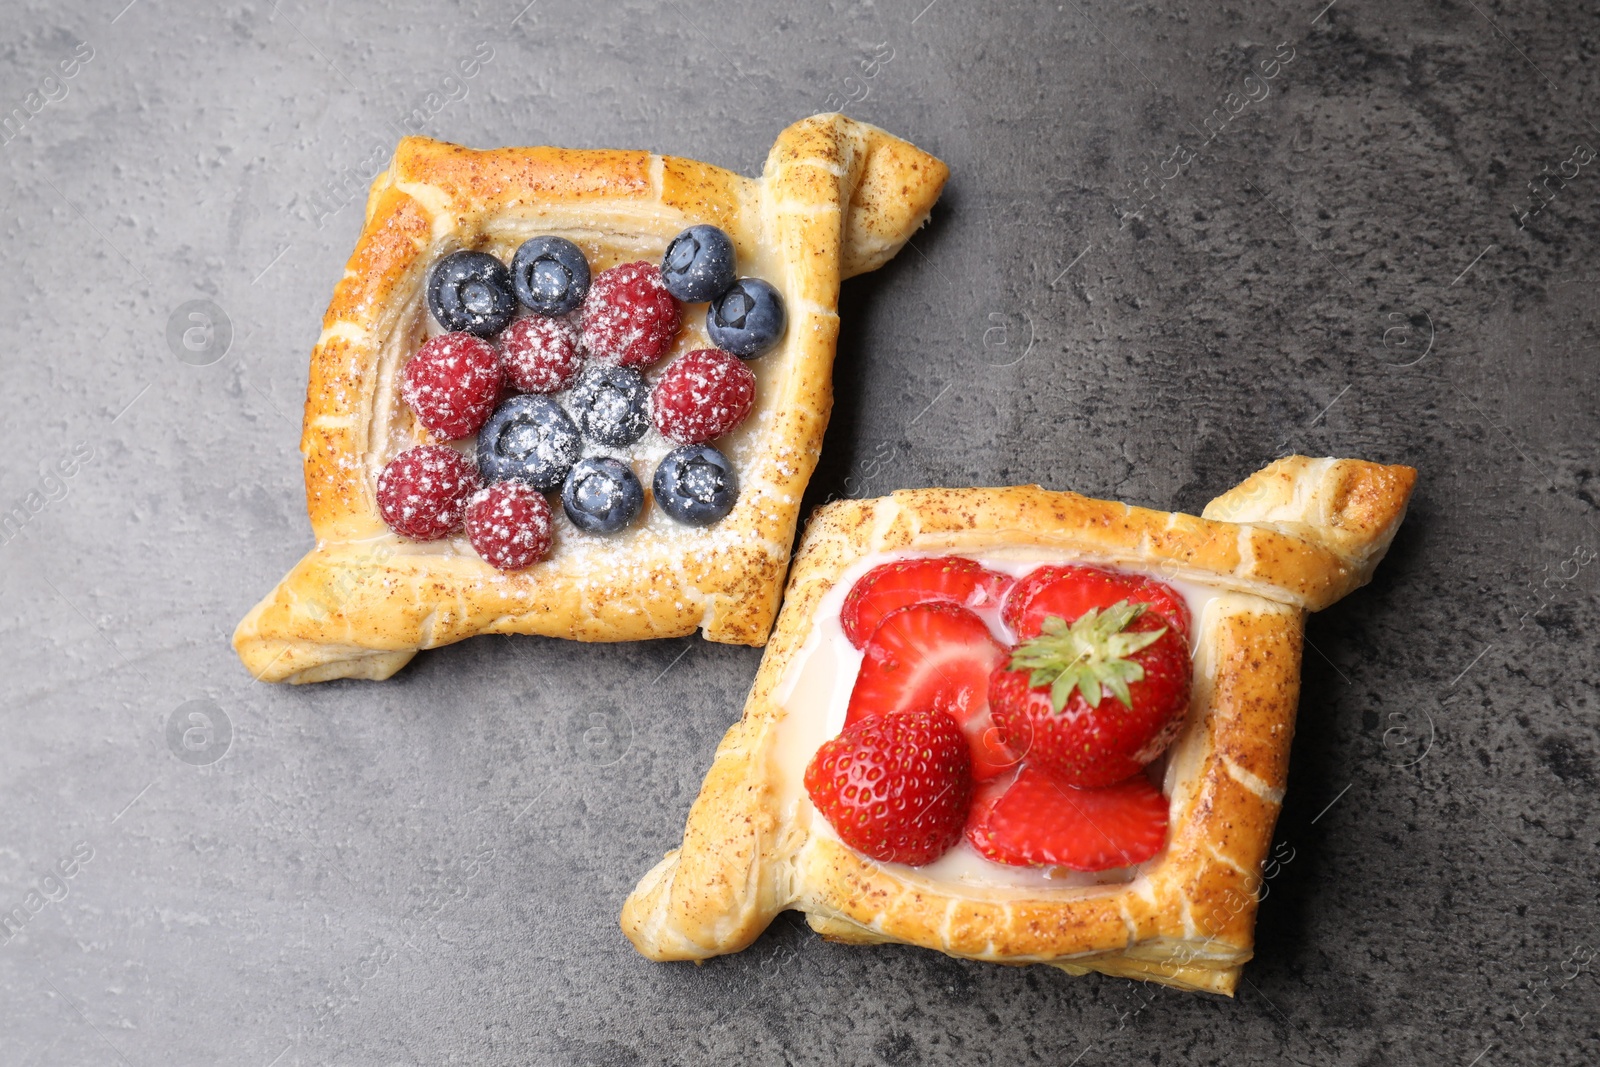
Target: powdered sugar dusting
{"x":702,"y":395}
{"x":655,"y":552}
{"x":629,"y":318}
{"x":452,"y":383}
{"x":541,"y":354}
{"x":424,"y":491}
{"x":509,"y":524}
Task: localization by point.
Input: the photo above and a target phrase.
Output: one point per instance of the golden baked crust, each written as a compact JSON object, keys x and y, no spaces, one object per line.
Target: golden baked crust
{"x":1293,"y":538}
{"x":837,"y":198}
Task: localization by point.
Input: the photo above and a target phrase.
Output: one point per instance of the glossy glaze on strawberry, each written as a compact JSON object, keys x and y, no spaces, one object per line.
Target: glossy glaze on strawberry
{"x":895,"y":787}
{"x":881,"y":590}
{"x":1061,"y":716}
{"x":1096,"y":700}
{"x":934,"y":655}
{"x":1037,"y":820}
{"x":1070,"y":590}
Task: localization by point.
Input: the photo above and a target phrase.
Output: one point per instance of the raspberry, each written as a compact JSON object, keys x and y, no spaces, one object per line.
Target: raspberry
{"x":423,"y":491}
{"x":702,"y":395}
{"x":629,"y":318}
{"x":541,"y":355}
{"x":452,"y":384}
{"x":509,"y":524}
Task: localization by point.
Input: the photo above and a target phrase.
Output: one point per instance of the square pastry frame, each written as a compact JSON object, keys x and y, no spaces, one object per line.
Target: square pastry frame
{"x":1293,"y":538}
{"x":836,"y":198}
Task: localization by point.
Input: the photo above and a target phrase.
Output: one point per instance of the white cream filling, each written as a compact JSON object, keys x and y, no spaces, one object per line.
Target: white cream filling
{"x":815,"y":695}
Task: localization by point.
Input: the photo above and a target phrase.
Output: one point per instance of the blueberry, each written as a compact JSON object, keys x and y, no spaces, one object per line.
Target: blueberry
{"x":529,"y":438}
{"x":698,"y":264}
{"x":601,"y":495}
{"x":747,"y":319}
{"x":695,"y":484}
{"x":471,"y":292}
{"x":611,"y":405}
{"x":551,"y":275}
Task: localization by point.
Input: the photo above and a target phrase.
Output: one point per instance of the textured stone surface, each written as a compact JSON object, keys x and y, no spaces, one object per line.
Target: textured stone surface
{"x":428,"y":871}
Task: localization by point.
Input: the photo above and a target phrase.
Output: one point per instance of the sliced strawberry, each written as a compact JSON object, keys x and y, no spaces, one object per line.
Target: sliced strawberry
{"x":1067,"y":592}
{"x":894,"y":787}
{"x":986,"y":794}
{"x":949,"y":579}
{"x":1041,"y":822}
{"x":926,"y":656}
{"x":937,"y":656}
{"x":991,"y":755}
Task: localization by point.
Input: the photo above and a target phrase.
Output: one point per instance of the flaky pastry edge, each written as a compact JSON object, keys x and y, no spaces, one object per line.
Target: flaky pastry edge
{"x":1294,"y":537}
{"x":837,"y":198}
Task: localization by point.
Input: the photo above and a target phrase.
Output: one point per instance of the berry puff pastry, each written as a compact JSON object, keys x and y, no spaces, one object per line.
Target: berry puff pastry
{"x":1025,"y":726}
{"x":576,"y":393}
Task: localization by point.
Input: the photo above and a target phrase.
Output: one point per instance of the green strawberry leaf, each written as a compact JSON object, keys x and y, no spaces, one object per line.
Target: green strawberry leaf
{"x":1091,"y":656}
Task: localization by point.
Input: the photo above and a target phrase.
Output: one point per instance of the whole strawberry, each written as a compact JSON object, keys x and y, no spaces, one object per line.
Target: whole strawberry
{"x":895,"y":787}
{"x":1096,"y":700}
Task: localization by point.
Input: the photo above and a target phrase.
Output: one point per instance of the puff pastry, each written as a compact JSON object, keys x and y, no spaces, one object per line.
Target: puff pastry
{"x":837,"y":198}
{"x":1291,"y":539}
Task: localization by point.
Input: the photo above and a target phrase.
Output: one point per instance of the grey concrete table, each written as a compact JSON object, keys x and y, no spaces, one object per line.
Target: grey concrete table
{"x":1179,"y":240}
